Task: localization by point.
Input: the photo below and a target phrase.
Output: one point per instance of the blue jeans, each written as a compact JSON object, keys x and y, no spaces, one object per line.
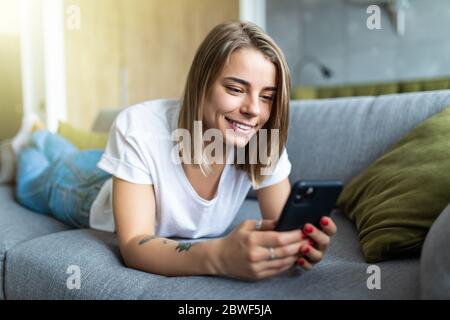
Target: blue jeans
{"x":55,"y":178}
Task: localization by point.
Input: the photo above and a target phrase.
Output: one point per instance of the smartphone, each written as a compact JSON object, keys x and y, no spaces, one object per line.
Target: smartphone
{"x":307,"y":203}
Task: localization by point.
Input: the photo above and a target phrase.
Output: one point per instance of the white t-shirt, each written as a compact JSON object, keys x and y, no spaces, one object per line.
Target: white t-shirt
{"x":139,"y":151}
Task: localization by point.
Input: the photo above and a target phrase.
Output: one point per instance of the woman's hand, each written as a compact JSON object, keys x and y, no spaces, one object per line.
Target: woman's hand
{"x":319,"y":240}
{"x":250,"y":252}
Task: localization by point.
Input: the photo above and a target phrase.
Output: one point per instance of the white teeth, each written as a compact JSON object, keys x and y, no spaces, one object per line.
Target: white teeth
{"x":240,"y":126}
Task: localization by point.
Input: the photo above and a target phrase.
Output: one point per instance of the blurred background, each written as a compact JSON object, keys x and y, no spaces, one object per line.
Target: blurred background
{"x":68,"y":59}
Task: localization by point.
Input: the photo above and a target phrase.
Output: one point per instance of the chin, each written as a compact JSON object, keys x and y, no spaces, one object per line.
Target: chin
{"x":238,"y":143}
{"x":237,"y":140}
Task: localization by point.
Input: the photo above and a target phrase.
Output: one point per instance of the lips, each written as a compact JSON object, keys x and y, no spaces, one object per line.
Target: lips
{"x":240,"y":127}
{"x":244,"y":124}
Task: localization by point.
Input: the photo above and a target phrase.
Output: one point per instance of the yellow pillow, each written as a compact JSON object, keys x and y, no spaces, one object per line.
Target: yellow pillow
{"x":83,"y":139}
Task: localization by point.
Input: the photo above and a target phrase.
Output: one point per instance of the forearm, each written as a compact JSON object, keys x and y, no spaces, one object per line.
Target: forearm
{"x":171,"y":258}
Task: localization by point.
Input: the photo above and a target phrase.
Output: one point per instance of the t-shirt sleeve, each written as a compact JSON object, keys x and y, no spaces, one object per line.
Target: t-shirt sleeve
{"x":281,"y":171}
{"x":124,"y":157}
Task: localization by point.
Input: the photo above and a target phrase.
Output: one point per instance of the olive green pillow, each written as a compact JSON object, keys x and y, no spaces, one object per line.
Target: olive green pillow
{"x":83,"y":139}
{"x":397,"y":198}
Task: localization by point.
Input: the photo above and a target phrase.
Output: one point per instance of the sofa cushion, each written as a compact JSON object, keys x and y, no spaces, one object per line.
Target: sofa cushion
{"x":18,"y":225}
{"x":435,"y":260}
{"x":105,"y":119}
{"x":83,"y":139}
{"x":38,"y":270}
{"x":396,"y":200}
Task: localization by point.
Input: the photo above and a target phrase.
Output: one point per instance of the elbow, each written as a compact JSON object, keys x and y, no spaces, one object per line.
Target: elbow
{"x":127,"y":258}
{"x":136,"y":260}
{"x":132,"y":262}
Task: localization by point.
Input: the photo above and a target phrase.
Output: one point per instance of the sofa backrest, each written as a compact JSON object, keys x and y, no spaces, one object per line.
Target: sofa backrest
{"x":338,"y":138}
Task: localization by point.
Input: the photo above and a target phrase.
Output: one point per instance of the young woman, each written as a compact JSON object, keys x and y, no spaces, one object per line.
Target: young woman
{"x":238,"y":85}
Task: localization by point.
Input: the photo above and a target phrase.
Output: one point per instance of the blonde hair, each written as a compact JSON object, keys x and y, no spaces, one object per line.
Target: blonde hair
{"x":209,"y":60}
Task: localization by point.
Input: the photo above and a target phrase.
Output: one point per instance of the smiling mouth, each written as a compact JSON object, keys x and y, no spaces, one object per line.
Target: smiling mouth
{"x":239,"y":126}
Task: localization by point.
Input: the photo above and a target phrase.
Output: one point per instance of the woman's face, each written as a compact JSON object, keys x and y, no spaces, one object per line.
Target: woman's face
{"x":242,"y":96}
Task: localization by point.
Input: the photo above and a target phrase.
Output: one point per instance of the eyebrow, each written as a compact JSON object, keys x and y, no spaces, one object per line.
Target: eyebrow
{"x":246,"y":83}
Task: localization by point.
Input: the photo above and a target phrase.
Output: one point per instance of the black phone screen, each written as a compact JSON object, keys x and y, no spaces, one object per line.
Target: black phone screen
{"x":307,"y":203}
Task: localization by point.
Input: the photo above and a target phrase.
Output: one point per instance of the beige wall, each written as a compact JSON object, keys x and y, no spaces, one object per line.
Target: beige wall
{"x":128,"y":51}
{"x":93,"y":60}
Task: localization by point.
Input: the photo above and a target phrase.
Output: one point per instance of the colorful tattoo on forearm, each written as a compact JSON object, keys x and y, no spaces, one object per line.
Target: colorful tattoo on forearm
{"x":183,"y":246}
{"x":180,"y":246}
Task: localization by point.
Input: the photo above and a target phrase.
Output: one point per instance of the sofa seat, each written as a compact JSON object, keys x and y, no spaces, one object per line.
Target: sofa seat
{"x":38,"y":270}
{"x":18,"y":225}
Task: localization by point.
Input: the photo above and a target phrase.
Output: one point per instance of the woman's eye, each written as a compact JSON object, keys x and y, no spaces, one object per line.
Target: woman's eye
{"x":269,"y":98}
{"x":234,"y":89}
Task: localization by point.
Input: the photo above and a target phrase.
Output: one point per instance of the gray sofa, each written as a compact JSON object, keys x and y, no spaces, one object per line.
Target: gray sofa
{"x":328,"y":139}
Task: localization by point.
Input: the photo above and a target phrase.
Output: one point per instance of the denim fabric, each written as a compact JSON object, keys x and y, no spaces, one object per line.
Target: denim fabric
{"x":55,"y":178}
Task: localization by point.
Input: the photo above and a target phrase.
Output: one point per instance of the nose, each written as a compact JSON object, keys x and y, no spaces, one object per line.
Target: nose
{"x":251,"y":106}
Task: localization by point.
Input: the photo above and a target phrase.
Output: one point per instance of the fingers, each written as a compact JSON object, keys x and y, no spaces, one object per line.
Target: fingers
{"x":287,"y":264}
{"x":304,"y":247}
{"x":312,"y":254}
{"x":269,"y":268}
{"x":263,"y":253}
{"x":328,"y":226}
{"x":275,"y":239}
{"x":288,"y":250}
{"x":321,"y":239}
{"x":273,"y":272}
{"x":304,"y":264}
{"x":275,"y":264}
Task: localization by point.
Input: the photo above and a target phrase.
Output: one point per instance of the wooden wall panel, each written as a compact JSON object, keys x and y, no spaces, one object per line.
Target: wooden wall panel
{"x":129,"y":51}
{"x":11,"y":104}
{"x":11,"y":109}
{"x":93,"y":60}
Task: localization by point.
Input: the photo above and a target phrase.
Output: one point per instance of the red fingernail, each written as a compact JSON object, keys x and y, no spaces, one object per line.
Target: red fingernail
{"x":305,"y":250}
{"x":303,"y":235}
{"x":311,"y":243}
{"x":324,"y":221}
{"x":309,"y":229}
{"x":301,"y":262}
